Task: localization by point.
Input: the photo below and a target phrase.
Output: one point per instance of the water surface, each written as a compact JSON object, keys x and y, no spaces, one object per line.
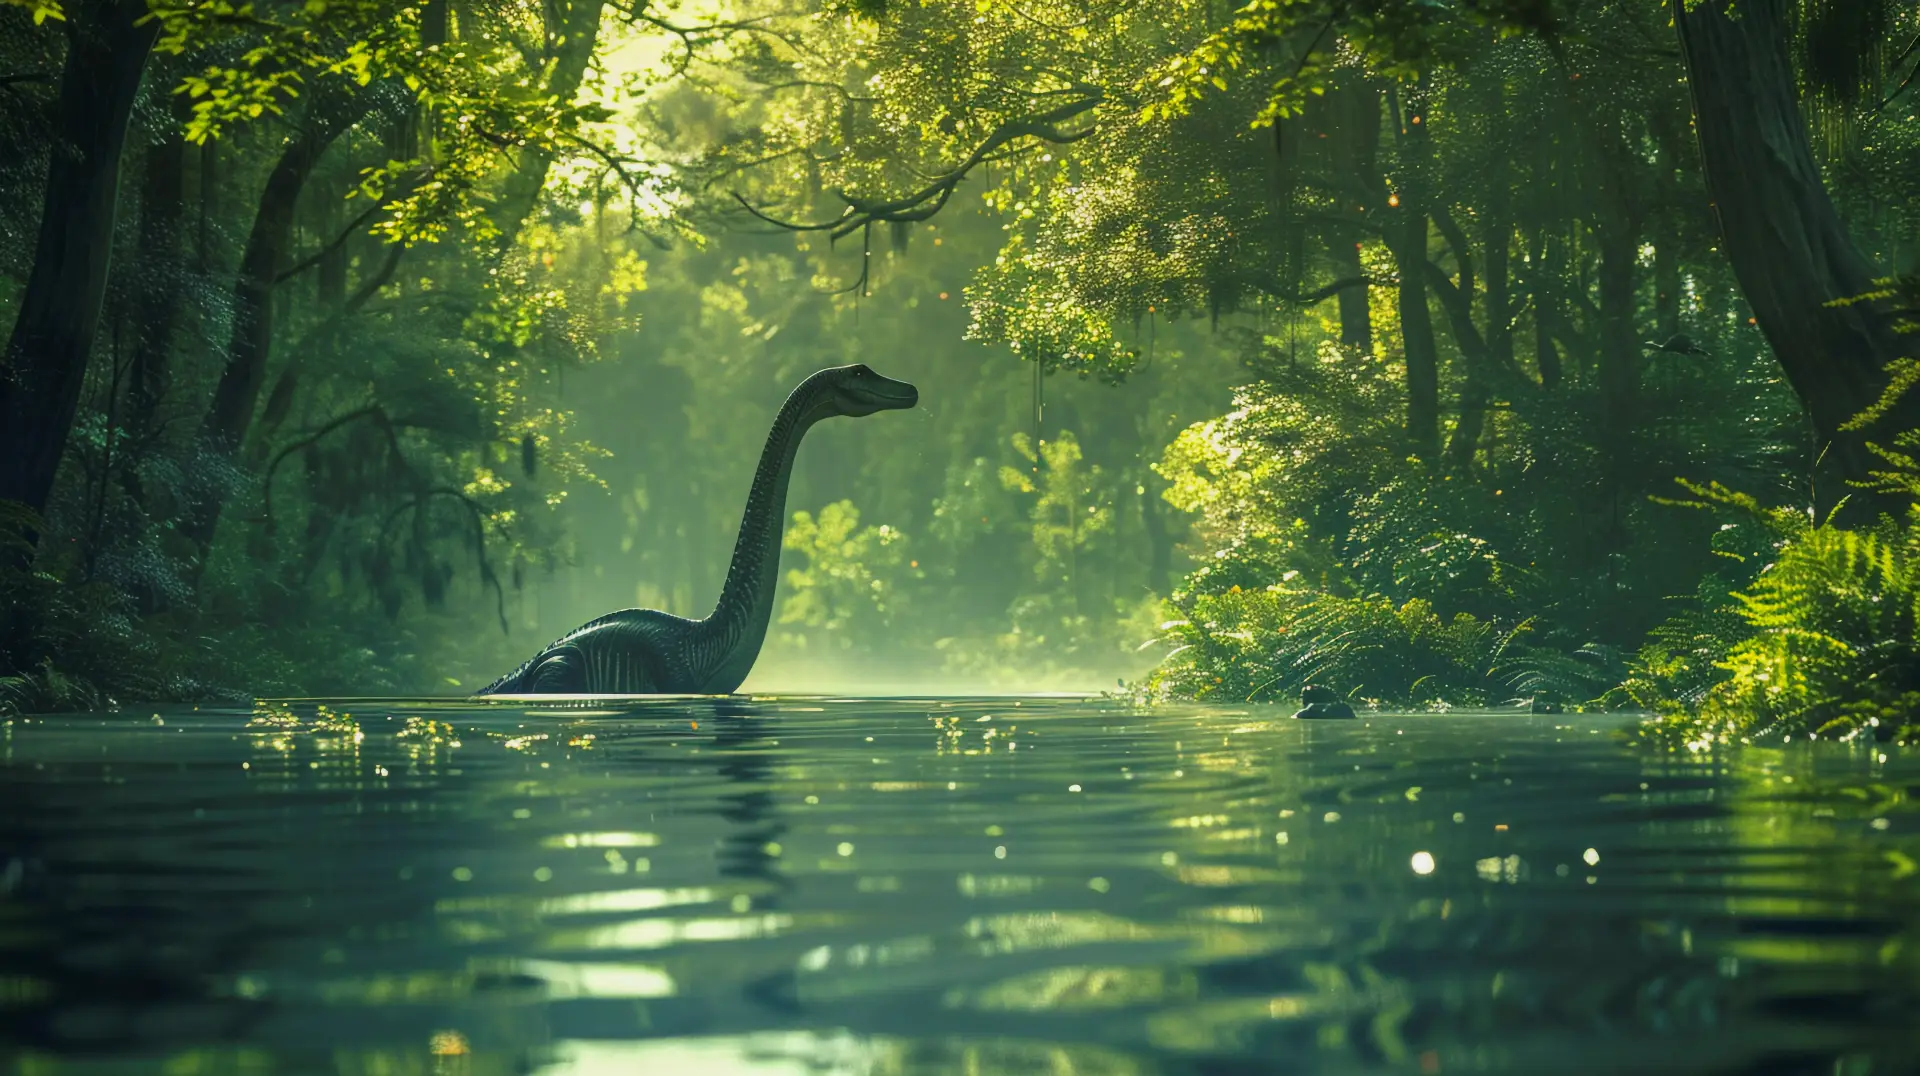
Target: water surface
{"x":819,"y":885}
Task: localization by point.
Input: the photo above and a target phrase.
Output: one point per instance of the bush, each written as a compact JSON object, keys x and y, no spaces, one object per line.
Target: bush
{"x":1267,"y":643}
{"x":1820,"y":641}
{"x":1822,"y":644}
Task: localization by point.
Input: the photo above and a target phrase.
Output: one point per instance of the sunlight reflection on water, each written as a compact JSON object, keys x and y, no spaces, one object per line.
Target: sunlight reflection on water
{"x":776,"y":885}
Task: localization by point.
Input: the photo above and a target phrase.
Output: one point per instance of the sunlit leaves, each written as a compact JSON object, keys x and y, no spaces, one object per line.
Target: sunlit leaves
{"x":1067,"y":510}
{"x":41,"y":10}
{"x":848,"y":590}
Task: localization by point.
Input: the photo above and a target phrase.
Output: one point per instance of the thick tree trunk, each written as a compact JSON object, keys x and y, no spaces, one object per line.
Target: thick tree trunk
{"x":1786,"y":242}
{"x":59,"y":312}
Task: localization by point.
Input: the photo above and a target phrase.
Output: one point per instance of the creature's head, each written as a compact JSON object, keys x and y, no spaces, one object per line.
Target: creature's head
{"x":856,"y":391}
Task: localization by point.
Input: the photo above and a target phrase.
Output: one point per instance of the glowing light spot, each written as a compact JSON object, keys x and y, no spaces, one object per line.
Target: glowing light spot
{"x":1099,"y":885}
{"x":448,"y":1044}
{"x":999,"y":851}
{"x":846,"y":848}
{"x":543,"y":874}
{"x":1073,"y":788}
{"x":1592,"y":856}
{"x":1393,"y":200}
{"x":462,"y":874}
{"x":1423,"y":863}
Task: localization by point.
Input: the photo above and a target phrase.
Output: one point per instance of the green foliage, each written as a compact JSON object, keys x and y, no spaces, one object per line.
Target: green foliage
{"x":1903,"y":293}
{"x":1829,"y":647}
{"x":41,"y":10}
{"x":1820,"y":641}
{"x":848,"y":594}
{"x":1359,"y":211}
{"x":1266,"y":644}
{"x":1066,"y":511}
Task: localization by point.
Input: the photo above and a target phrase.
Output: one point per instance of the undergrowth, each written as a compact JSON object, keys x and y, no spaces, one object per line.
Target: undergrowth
{"x":1267,"y":643}
{"x":1821,"y":643}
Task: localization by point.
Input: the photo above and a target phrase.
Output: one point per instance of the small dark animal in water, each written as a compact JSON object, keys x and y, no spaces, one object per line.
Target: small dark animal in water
{"x":646,"y":651}
{"x":1321,"y":703}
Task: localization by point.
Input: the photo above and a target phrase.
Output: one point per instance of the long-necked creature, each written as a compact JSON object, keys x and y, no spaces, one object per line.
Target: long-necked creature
{"x":646,"y":651}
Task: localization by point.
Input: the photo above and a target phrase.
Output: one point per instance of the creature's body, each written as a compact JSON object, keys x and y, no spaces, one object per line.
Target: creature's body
{"x":1322,"y":704}
{"x":645,"y":651}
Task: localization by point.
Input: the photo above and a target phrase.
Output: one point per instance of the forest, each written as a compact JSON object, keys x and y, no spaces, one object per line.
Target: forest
{"x":1551,"y":354}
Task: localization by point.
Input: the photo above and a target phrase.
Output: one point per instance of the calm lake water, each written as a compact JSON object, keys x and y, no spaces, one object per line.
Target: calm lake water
{"x":821,"y":885}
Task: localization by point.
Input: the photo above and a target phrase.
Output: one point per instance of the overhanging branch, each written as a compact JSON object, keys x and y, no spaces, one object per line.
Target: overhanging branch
{"x":922,"y":204}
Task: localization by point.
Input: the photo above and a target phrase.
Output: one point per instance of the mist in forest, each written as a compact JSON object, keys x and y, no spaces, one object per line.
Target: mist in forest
{"x":951,"y":548}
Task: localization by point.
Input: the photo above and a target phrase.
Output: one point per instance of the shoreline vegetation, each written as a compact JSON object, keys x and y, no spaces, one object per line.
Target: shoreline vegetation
{"x":1435,"y":355}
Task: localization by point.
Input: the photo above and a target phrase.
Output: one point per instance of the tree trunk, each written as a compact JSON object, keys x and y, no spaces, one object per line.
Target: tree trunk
{"x":59,"y":311}
{"x":1406,"y":235}
{"x":1353,"y":128}
{"x":1786,"y":242}
{"x":1666,"y":288}
{"x":1407,"y":240}
{"x":1356,"y":319}
{"x":251,"y":344}
{"x":574,"y":44}
{"x":1546,"y":356}
{"x":163,"y":274}
{"x":1619,"y":373}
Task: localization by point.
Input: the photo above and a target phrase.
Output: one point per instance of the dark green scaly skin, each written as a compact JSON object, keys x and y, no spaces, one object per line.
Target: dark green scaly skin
{"x":646,"y":651}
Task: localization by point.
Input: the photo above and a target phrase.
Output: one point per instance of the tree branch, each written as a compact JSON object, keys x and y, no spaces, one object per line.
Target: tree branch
{"x":928,"y":200}
{"x":353,"y":227}
{"x":1328,"y":291}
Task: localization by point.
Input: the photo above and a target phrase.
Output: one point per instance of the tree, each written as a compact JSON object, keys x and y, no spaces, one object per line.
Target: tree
{"x":108,"y":42}
{"x":1795,"y":260}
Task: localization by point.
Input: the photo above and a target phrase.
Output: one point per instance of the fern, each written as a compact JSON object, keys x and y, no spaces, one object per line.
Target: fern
{"x":1825,"y":646}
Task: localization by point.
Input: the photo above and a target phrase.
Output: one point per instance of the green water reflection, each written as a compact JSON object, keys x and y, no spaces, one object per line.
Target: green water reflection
{"x":890,"y":886}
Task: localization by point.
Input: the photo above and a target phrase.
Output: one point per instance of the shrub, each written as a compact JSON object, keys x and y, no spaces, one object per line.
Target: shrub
{"x":1828,"y":647}
{"x":1268,"y":643}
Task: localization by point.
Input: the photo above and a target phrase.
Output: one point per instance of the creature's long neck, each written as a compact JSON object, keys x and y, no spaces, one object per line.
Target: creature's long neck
{"x":738,"y":624}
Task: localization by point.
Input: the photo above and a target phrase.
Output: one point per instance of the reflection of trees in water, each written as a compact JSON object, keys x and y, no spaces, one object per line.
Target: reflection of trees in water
{"x":743,"y":740}
{"x":1741,"y":924}
{"x":170,"y":901}
{"x":105,"y":925}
